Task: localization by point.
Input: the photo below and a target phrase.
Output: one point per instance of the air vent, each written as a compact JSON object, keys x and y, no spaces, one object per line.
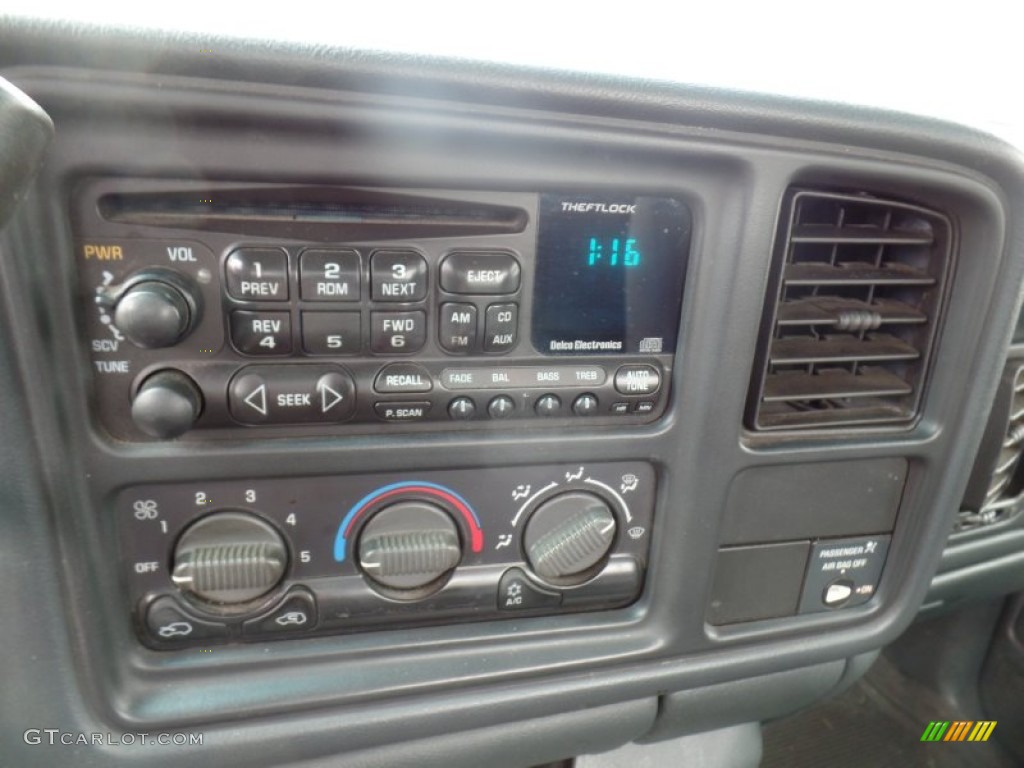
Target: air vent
{"x":856,"y":297}
{"x":996,"y":483}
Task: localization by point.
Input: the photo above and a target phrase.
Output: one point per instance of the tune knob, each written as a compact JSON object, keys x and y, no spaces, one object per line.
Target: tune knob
{"x":568,"y":535}
{"x":410,"y":545}
{"x":154,"y":308}
{"x":229,"y":558}
{"x":167,"y":404}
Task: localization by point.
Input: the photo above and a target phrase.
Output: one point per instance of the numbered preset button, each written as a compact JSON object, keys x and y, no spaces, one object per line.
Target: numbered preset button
{"x":331,"y":333}
{"x":329,"y":275}
{"x":397,"y":332}
{"x":261,"y":333}
{"x":257,"y":274}
{"x":398,"y":276}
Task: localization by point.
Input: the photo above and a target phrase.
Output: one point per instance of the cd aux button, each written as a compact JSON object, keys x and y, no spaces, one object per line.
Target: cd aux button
{"x":501,"y":327}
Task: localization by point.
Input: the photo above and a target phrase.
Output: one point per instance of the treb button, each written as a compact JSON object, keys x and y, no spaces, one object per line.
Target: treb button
{"x":403,"y":377}
{"x":480,"y":273}
{"x":291,"y":394}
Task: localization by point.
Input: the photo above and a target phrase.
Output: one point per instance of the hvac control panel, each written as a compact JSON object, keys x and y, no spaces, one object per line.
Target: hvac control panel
{"x":230,"y":307}
{"x":262,"y":559}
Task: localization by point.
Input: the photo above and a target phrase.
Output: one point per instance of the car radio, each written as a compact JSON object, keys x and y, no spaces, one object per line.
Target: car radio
{"x":219,"y":307}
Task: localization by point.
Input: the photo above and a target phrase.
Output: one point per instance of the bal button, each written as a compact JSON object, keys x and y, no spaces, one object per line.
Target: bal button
{"x":501,"y":407}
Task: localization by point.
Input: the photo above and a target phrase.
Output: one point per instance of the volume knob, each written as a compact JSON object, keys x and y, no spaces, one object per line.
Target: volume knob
{"x":229,"y":558}
{"x":154,"y":308}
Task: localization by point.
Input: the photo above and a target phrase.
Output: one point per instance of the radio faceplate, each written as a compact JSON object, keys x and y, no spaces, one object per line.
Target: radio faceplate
{"x":215,"y":308}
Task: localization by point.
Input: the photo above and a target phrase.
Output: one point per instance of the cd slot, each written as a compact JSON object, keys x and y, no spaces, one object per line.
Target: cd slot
{"x":312,"y":213}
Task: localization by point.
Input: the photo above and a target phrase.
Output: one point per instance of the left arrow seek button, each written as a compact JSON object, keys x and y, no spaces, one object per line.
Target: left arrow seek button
{"x":291,"y":394}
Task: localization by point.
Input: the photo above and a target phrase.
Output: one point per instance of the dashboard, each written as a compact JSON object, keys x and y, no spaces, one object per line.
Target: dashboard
{"x":360,"y":410}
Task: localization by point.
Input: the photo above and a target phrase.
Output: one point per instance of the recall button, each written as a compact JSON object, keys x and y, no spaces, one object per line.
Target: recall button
{"x":481,"y":274}
{"x":637,"y":380}
{"x":291,"y":394}
{"x":402,"y":411}
{"x":403,"y":377}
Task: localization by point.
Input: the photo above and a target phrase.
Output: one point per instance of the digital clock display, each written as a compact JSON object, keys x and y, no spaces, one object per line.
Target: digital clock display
{"x":609,"y":274}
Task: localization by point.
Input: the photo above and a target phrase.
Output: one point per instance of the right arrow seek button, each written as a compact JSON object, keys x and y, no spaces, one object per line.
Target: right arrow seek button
{"x":291,"y":394}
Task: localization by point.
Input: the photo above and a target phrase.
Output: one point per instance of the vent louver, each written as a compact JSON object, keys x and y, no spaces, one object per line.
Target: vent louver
{"x":859,"y":283}
{"x":994,"y":490}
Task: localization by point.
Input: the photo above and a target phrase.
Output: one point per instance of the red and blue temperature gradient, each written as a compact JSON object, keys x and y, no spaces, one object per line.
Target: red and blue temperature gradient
{"x":410,"y":488}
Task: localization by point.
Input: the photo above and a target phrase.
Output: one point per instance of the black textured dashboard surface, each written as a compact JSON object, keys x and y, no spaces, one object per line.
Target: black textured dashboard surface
{"x":134,"y":103}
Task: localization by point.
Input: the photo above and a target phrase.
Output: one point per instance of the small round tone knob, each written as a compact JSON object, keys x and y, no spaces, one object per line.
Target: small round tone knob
{"x":409,"y":545}
{"x":229,"y":558}
{"x":167,"y":404}
{"x":568,"y":535}
{"x":156,"y":308}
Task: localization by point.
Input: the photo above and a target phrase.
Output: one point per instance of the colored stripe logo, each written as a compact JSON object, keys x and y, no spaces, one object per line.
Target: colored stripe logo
{"x":959,"y":730}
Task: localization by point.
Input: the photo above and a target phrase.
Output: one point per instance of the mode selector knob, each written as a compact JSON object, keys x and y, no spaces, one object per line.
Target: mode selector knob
{"x":154,"y":308}
{"x":229,"y":558}
{"x":568,"y":535}
{"x":409,"y":545}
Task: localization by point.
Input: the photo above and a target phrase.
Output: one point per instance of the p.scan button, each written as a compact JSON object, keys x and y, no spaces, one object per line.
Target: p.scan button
{"x":291,"y":394}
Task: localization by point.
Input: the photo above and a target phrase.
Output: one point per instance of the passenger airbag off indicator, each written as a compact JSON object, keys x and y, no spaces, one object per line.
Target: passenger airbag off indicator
{"x":843,"y":572}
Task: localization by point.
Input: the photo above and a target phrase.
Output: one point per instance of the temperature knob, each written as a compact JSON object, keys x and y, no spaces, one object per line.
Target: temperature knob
{"x":568,"y":535}
{"x":229,"y":558}
{"x":409,"y":545}
{"x":154,"y":308}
